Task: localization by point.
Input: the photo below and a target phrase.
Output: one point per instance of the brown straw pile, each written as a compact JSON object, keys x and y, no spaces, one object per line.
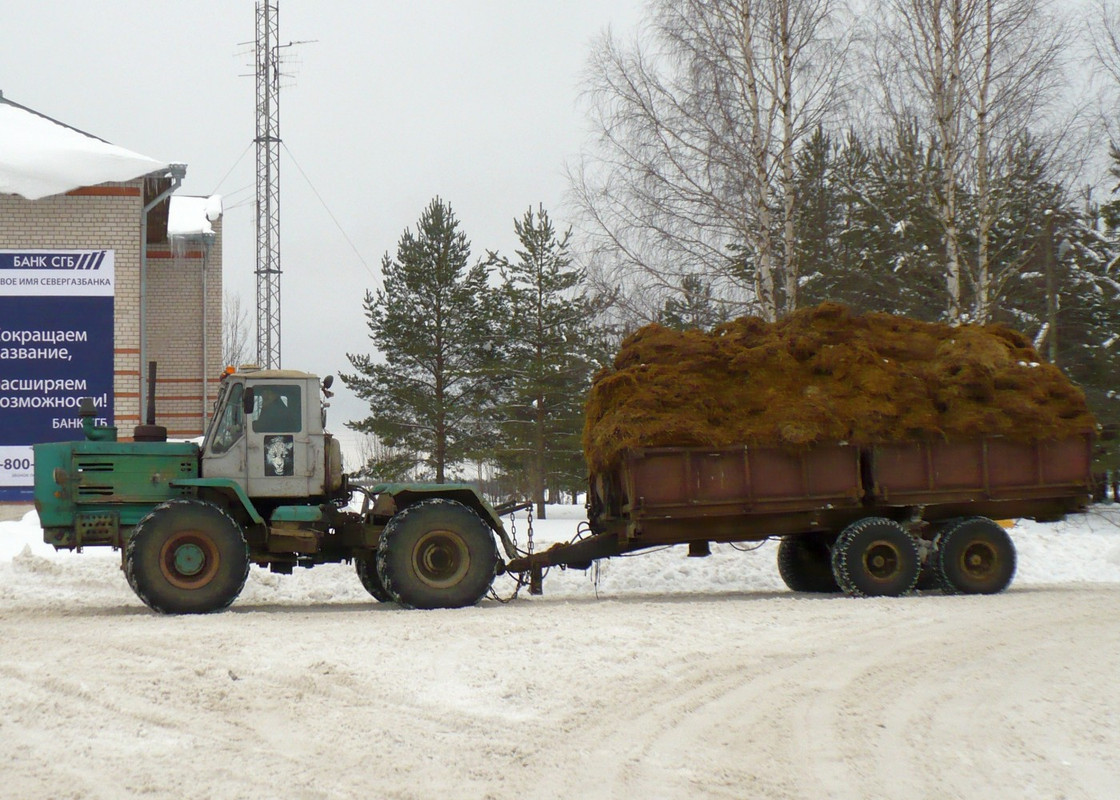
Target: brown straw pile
{"x":825,"y":374}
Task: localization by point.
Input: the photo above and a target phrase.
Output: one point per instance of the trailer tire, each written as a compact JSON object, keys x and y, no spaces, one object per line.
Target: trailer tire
{"x":366,"y":567}
{"x":437,"y":553}
{"x":875,"y":557}
{"x":187,"y":557}
{"x":929,"y":577}
{"x":804,"y":562}
{"x":975,"y":556}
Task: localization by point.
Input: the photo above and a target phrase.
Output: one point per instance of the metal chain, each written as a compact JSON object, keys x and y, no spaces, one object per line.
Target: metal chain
{"x":513,"y":538}
{"x":521,"y":580}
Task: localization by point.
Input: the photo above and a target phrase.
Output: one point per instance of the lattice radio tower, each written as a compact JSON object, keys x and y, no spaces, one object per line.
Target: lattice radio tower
{"x":268,"y":184}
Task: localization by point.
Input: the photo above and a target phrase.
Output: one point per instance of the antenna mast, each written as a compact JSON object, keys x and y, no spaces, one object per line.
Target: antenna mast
{"x":268,"y":184}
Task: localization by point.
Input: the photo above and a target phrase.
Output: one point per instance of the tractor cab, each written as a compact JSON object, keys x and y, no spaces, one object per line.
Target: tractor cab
{"x":267,"y":434}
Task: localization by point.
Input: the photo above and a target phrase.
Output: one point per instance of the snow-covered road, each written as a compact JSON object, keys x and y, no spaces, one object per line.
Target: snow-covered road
{"x":672,"y":678}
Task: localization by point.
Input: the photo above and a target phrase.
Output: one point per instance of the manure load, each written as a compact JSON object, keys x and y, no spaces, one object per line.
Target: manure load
{"x":880,"y":449}
{"x":825,"y":374}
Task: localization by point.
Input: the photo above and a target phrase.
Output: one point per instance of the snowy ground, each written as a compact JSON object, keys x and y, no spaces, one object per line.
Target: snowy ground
{"x":658,"y":676}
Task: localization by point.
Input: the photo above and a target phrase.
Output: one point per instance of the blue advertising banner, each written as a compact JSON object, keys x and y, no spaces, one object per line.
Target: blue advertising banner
{"x":56,"y":347}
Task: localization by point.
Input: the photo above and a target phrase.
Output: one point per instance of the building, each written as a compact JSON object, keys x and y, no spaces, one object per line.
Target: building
{"x":102,"y":270}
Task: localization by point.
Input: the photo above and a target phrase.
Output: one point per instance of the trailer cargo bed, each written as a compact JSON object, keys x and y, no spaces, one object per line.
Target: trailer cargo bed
{"x":894,"y":507}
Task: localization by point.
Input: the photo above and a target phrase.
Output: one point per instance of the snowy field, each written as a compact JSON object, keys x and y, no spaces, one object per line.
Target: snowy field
{"x":655,"y":676}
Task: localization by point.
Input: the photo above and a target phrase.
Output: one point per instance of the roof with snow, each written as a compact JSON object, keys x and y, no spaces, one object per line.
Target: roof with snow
{"x":40,"y":156}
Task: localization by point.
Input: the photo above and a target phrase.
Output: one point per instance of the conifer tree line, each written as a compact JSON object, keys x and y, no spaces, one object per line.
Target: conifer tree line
{"x":481,"y":367}
{"x":937,"y":158}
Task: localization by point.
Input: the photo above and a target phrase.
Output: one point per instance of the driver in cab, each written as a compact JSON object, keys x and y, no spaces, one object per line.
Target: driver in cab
{"x":278,"y":414}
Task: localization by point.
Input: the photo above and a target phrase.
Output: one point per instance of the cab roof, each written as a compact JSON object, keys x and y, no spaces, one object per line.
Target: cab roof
{"x":270,"y":374}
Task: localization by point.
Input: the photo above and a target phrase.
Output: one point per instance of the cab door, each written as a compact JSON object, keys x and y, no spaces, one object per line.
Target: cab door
{"x":278,"y":440}
{"x":224,"y":451}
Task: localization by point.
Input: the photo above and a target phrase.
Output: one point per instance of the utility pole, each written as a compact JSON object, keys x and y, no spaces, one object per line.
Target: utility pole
{"x":268,"y":184}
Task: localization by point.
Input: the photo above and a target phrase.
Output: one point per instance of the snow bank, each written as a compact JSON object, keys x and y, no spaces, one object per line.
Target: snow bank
{"x":1084,"y":548}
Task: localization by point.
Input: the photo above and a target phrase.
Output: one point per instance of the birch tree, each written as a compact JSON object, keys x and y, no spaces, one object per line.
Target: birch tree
{"x":980,"y":73}
{"x":697,"y":122}
{"x":235,"y":330}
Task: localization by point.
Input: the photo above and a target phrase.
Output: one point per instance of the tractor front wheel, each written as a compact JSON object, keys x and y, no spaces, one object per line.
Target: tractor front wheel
{"x":187,"y":557}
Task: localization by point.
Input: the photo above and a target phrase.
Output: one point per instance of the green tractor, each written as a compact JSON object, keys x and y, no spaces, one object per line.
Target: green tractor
{"x":265,"y":487}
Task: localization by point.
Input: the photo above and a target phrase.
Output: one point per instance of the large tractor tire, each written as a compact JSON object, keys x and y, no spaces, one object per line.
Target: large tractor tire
{"x":366,"y":566}
{"x":804,"y":562}
{"x":876,"y":557}
{"x":437,"y":554}
{"x":975,"y":556}
{"x":187,"y":557}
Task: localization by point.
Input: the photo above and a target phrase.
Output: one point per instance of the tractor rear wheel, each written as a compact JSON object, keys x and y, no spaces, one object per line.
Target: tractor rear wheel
{"x":975,"y":556}
{"x":875,"y":557}
{"x":804,"y":564}
{"x":366,"y":566}
{"x":437,"y":554}
{"x":187,"y":557}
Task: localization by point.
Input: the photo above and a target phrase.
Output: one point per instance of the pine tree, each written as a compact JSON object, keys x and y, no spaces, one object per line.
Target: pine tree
{"x":1067,"y":298}
{"x":431,"y":322}
{"x":547,"y":358}
{"x":1110,"y":211}
{"x":869,"y":234}
{"x":695,"y":307}
{"x":903,"y":240}
{"x":818,"y":219}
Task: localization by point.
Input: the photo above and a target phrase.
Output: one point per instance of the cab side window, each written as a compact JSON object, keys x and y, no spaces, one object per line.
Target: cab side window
{"x":278,"y":408}
{"x":231,"y":426}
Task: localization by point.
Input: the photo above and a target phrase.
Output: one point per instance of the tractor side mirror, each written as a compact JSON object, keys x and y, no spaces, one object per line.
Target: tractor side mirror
{"x":248,"y":400}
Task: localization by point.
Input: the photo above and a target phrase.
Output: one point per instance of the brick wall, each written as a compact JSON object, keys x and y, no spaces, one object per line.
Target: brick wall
{"x":107,"y":217}
{"x":184,"y":296}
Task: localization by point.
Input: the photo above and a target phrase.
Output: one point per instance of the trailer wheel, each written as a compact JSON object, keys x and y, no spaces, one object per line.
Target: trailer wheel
{"x":875,"y":557}
{"x":366,"y":566}
{"x":804,"y":564}
{"x":437,"y":554}
{"x":929,"y":576}
{"x":975,"y":556}
{"x":187,"y":557}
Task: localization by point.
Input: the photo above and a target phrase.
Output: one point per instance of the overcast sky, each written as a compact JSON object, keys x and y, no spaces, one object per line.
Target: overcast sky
{"x":390,"y":105}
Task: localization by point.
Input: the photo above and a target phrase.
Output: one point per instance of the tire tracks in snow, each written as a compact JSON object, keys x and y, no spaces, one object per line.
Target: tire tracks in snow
{"x":924,"y":697}
{"x":769,"y":695}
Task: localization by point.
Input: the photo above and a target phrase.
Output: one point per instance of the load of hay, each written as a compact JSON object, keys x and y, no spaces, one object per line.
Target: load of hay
{"x":825,"y":374}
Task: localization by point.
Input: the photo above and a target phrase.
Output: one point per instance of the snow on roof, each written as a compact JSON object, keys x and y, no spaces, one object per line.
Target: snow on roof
{"x":40,"y":156}
{"x":191,"y":216}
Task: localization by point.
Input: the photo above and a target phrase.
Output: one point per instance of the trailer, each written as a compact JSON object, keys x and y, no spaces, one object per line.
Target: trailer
{"x":874,"y":520}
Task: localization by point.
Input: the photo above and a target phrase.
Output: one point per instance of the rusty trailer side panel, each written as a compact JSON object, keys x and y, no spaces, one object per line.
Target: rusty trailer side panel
{"x":670,"y":495}
{"x":993,"y":477}
{"x":680,"y":494}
